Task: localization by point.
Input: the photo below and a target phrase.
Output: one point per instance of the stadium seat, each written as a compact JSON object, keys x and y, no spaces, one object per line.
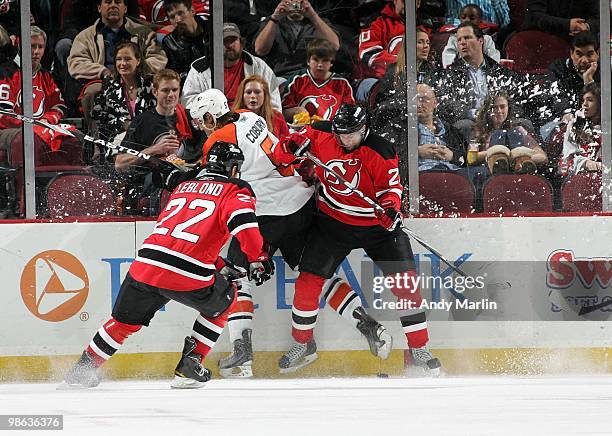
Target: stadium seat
{"x":582,"y":193}
{"x":512,"y":193}
{"x":71,"y":195}
{"x":445,"y":192}
{"x":533,"y":51}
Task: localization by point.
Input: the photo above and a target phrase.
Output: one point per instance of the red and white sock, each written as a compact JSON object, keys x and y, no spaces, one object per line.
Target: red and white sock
{"x":414,"y":322}
{"x":305,"y":307}
{"x":109,"y":338}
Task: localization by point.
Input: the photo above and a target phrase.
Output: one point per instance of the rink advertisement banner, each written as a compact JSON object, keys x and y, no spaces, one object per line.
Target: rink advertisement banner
{"x":60,"y":281}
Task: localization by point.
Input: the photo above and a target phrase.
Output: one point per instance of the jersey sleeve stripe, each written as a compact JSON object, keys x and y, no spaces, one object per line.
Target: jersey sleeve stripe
{"x":241,"y":220}
{"x":393,"y":190}
{"x":366,"y":52}
{"x":244,"y":227}
{"x":238,"y":212}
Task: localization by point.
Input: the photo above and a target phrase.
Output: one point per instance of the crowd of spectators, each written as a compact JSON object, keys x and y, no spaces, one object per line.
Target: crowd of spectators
{"x":297,"y":61}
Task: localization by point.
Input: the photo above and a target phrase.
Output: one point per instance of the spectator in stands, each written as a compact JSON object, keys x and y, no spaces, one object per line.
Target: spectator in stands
{"x":283,"y":36}
{"x":164,"y":132}
{"x":441,"y":146}
{"x":472,"y":76}
{"x":154,"y":12}
{"x":254,"y":95}
{"x":493,"y":11}
{"x":91,"y":55}
{"x":51,"y":148}
{"x":126,"y":93}
{"x":237,"y":63}
{"x":379,"y":43}
{"x":563,"y":17}
{"x":582,"y":135}
{"x":190,"y":39}
{"x":470,"y":13}
{"x":75,"y":16}
{"x":316,"y":91}
{"x":504,"y":144}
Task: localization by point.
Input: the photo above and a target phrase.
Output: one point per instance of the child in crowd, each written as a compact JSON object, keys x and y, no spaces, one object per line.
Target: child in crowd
{"x":471,"y":13}
{"x":316,"y":91}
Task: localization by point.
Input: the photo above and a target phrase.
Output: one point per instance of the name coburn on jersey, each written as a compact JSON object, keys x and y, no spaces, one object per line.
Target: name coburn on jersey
{"x":255,"y":131}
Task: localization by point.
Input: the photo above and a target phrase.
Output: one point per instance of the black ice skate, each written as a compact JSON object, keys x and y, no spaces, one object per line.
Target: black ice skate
{"x":298,"y":356}
{"x":239,"y":363}
{"x":379,"y":339}
{"x":83,"y":375}
{"x":189,"y":373}
{"x":423,"y":358}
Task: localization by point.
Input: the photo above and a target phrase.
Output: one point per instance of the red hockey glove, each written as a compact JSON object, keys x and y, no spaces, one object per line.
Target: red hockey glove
{"x":389,"y":219}
{"x":307,"y":171}
{"x":296,"y":144}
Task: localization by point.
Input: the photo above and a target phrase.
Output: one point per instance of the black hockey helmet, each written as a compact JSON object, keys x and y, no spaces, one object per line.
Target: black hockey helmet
{"x":223,"y":157}
{"x":350,"y":118}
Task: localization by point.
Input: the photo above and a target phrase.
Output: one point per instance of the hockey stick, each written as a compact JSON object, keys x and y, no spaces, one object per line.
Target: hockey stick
{"x":80,"y":136}
{"x":378,"y":207}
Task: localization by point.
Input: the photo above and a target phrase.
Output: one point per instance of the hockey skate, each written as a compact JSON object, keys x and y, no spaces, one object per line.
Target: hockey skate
{"x":422,"y":358}
{"x":298,"y":356}
{"x":83,"y":375}
{"x":189,"y":373}
{"x":239,"y":363}
{"x":379,"y":339}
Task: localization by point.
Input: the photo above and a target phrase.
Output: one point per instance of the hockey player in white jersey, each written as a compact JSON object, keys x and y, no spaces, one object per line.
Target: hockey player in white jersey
{"x":285,"y":206}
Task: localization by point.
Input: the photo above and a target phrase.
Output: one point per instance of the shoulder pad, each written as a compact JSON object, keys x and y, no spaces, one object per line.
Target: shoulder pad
{"x":239,"y":183}
{"x":323,"y":126}
{"x":380,"y":145}
{"x":201,"y":64}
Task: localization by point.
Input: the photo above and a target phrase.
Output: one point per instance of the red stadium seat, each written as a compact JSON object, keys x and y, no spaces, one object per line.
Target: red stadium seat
{"x":533,"y":51}
{"x":445,"y":192}
{"x":79,"y":195}
{"x":582,"y":193}
{"x":512,"y":193}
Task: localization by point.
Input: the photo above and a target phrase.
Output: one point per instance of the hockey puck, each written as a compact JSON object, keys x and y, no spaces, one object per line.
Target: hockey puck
{"x":382,"y":375}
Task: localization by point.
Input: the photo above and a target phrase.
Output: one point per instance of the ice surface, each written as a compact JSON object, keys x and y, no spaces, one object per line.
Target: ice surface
{"x":364,"y":406}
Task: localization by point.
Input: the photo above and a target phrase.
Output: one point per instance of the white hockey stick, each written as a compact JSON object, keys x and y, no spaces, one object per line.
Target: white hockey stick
{"x":86,"y":138}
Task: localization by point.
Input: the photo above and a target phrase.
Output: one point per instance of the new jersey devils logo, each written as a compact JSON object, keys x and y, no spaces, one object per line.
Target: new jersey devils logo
{"x":322,"y":105}
{"x":348,"y":169}
{"x":158,"y":15}
{"x":38,"y":101}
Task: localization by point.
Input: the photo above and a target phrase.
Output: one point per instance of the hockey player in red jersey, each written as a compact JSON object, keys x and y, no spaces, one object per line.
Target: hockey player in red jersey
{"x":346,"y":222}
{"x":180,"y":261}
{"x":284,"y":213}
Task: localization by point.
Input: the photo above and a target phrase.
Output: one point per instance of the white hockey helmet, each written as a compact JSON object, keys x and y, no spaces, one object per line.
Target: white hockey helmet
{"x":212,"y":101}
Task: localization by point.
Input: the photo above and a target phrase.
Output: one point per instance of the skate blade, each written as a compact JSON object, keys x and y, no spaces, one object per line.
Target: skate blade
{"x":305,"y":361}
{"x":185,"y":383}
{"x":385,"y":349}
{"x":417,"y":371}
{"x":241,"y":371}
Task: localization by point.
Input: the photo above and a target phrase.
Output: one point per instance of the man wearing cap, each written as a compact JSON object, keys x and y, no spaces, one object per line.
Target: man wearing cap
{"x":237,"y":64}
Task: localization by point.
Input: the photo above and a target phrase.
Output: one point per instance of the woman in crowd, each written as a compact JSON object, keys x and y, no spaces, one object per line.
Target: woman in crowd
{"x":127,"y":92}
{"x":582,"y":135}
{"x":504,"y":144}
{"x":253,"y":94}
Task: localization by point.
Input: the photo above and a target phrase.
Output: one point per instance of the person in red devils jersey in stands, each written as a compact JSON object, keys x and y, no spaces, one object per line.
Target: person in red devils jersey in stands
{"x":346,"y":222}
{"x":180,"y":261}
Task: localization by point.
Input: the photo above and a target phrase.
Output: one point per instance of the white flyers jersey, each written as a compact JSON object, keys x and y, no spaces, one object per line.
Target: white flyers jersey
{"x":279,"y":189}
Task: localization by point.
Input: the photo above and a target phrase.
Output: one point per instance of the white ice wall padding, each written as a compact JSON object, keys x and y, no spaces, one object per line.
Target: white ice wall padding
{"x":21,"y":333}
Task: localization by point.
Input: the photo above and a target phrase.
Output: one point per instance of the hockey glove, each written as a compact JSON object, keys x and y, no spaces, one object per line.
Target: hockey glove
{"x":307,"y":171}
{"x":296,"y":144}
{"x":232,"y":272}
{"x":389,"y":218}
{"x":261,"y":270}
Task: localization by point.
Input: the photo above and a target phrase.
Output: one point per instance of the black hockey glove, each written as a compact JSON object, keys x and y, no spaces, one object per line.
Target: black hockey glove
{"x":261,"y":270}
{"x":232,"y":272}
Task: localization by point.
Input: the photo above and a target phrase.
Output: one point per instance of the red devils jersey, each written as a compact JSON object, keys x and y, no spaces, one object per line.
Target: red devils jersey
{"x":48,"y":102}
{"x":153,"y":10}
{"x":201,"y":214}
{"x":372,"y":168}
{"x":322,"y":99}
{"x":379,"y":44}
